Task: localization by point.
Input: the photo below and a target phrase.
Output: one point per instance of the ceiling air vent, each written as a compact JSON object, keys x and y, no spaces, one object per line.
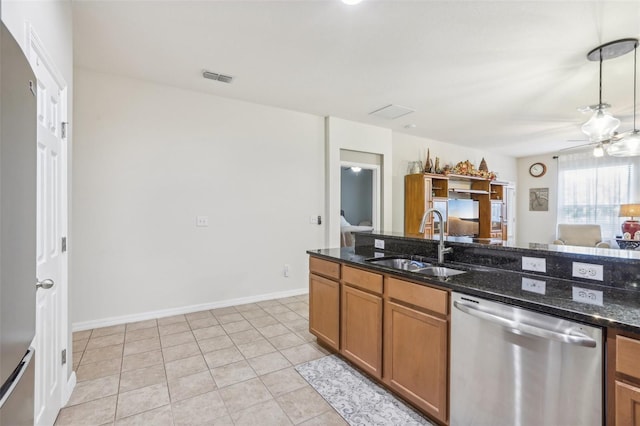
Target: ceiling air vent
{"x":392,"y":111}
{"x":218,"y":77}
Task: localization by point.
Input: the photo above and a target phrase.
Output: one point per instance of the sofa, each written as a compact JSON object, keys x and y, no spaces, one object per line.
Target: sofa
{"x":580,"y":235}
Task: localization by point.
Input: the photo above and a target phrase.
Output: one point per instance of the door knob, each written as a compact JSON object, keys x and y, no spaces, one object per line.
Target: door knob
{"x":45,"y":284}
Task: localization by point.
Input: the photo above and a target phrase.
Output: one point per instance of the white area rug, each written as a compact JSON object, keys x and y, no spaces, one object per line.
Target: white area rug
{"x":359,"y":400}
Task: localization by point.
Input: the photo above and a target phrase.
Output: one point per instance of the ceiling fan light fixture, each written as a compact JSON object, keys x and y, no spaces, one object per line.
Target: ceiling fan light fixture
{"x":628,"y":146}
{"x":598,"y":151}
{"x":600,"y":126}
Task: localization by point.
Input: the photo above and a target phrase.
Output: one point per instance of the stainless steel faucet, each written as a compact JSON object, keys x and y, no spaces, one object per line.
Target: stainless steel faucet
{"x":442,"y":250}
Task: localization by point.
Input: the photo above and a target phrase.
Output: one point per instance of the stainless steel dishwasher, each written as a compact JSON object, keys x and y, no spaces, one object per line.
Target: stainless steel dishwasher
{"x":511,"y":366}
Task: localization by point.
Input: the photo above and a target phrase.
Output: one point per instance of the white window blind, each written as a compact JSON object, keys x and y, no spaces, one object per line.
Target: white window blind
{"x":590,"y":189}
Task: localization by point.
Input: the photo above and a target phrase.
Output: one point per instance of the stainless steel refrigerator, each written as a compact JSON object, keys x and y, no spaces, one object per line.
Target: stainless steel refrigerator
{"x":17,"y":233}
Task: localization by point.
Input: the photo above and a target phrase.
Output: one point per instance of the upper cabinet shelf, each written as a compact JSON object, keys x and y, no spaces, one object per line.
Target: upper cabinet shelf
{"x":468,"y":191}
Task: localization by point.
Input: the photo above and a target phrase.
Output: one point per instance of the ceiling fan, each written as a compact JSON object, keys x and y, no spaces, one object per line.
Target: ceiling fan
{"x":601,"y":127}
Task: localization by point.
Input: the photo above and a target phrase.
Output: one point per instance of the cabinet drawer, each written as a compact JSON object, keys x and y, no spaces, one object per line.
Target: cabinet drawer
{"x":324,"y":267}
{"x":418,"y":295}
{"x":362,"y":279}
{"x":627,"y":356}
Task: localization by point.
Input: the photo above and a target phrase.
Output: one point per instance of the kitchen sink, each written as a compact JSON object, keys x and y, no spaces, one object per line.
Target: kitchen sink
{"x":401,"y":263}
{"x":439,"y":271}
{"x":418,"y":266}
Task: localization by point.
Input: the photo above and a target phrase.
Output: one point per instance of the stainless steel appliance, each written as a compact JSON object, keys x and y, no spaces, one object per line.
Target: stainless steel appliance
{"x":511,"y":366}
{"x":17,"y":233}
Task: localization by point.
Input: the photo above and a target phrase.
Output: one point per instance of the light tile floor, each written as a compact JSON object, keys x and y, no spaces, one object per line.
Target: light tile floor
{"x":228,"y":366}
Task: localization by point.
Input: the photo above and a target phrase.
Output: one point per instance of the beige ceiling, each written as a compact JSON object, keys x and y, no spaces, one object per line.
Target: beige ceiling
{"x":502,"y":75}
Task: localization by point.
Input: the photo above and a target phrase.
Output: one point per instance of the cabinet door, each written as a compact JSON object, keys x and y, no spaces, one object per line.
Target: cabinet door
{"x":324,"y":310}
{"x":361,"y":339}
{"x":415,"y":353}
{"x":417,"y":198}
{"x":627,"y":405}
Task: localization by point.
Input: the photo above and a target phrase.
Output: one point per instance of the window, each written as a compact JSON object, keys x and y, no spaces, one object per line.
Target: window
{"x":590,"y":190}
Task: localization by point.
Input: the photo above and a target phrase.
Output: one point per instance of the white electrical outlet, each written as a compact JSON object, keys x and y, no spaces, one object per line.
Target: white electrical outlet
{"x":379,"y":244}
{"x":202,"y":221}
{"x":378,"y":254}
{"x":588,"y":271}
{"x":584,"y":295}
{"x":287,"y":270}
{"x":534,"y":286}
{"x":537,"y":264}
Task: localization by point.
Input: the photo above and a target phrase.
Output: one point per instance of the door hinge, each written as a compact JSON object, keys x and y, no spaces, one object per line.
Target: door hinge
{"x":64,"y":356}
{"x":64,"y":244}
{"x":63,"y":129}
{"x":32,"y":88}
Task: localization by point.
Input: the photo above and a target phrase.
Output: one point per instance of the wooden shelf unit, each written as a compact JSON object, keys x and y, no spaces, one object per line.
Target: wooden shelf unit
{"x":422,"y":190}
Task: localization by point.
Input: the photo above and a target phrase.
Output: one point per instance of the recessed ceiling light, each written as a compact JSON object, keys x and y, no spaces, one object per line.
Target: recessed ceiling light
{"x":411,"y":126}
{"x":351,"y":2}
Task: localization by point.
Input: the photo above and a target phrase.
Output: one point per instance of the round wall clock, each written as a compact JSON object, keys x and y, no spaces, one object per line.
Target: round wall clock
{"x":537,"y":169}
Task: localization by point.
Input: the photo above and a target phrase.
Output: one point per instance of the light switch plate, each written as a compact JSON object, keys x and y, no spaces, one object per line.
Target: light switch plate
{"x":537,"y":264}
{"x":584,"y":295}
{"x":379,"y":244}
{"x":534,"y":286}
{"x":589,"y":271}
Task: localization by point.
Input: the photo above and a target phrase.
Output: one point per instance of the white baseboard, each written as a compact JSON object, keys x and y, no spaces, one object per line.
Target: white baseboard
{"x":68,"y":389}
{"x":106,"y":322}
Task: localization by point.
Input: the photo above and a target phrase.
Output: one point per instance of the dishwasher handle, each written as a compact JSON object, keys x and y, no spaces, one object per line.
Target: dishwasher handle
{"x":574,"y":338}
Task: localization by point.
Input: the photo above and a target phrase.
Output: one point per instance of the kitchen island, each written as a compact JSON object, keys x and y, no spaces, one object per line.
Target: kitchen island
{"x":395,"y":324}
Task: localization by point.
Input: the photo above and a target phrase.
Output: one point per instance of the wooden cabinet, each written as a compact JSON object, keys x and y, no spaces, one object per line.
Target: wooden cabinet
{"x":627,"y":405}
{"x":394,"y":330}
{"x":416,"y":341}
{"x":498,"y":210}
{"x":362,"y":329}
{"x":417,"y":199}
{"x":324,"y":301}
{"x":424,"y":191}
{"x":627,"y":381}
{"x":361,"y":322}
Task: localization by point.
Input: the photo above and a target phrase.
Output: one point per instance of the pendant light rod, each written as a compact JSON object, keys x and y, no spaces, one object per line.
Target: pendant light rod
{"x":635,"y":61}
{"x":600,"y":87}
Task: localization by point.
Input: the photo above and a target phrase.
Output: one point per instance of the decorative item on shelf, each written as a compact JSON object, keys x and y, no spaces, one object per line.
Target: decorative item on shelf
{"x":428,"y":165}
{"x":483,"y":166}
{"x":628,"y":244}
{"x":437,"y":168}
{"x":632,"y":226}
{"x":466,"y":168}
{"x":415,"y":167}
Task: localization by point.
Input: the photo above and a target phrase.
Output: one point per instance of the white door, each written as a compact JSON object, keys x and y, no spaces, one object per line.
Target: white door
{"x":51,"y":211}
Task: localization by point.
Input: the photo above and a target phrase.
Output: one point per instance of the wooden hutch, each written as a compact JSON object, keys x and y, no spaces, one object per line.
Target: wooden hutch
{"x":425,"y":191}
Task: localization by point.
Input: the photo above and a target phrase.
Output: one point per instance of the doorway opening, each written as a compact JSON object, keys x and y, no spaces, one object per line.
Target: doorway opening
{"x":359,"y":199}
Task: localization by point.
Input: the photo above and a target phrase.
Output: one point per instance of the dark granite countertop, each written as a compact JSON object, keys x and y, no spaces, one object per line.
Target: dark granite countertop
{"x":620,"y":308}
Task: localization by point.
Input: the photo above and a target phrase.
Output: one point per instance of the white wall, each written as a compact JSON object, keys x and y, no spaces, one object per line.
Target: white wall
{"x":408,"y":148}
{"x":347,"y":135}
{"x":149,"y":158}
{"x":536,"y":227}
